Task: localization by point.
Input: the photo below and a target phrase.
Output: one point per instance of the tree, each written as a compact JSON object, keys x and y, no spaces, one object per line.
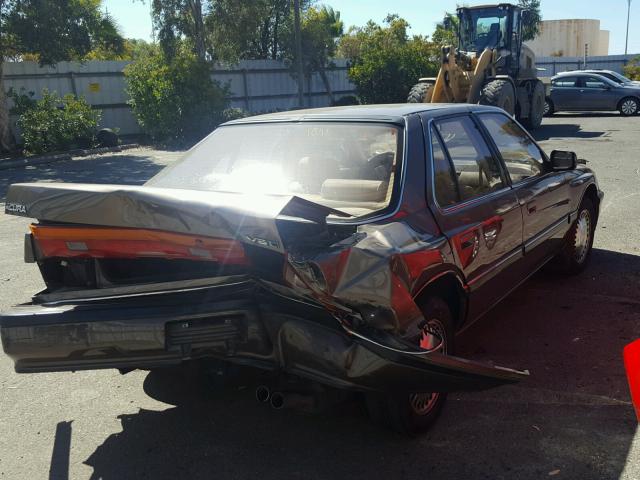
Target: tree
{"x":226,"y":30}
{"x":52,"y":31}
{"x":249,"y":30}
{"x":531,"y":27}
{"x":444,"y":34}
{"x":320,"y":30}
{"x":132,"y":49}
{"x":175,"y":20}
{"x":632,"y":70}
{"x":175,"y":98}
{"x":385,"y":61}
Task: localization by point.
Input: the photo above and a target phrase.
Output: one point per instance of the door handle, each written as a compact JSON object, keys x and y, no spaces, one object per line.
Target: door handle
{"x":467,"y":244}
{"x":468,"y":240}
{"x":532,"y":208}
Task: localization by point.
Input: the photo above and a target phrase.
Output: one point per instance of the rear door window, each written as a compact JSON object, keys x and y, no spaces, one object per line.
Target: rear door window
{"x":522,"y":157}
{"x":477,"y":171}
{"x":593,"y":82}
{"x":444,"y":176}
{"x":565,"y":82}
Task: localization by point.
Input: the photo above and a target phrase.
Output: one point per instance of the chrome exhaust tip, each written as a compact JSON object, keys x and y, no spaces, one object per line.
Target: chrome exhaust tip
{"x":277,"y":400}
{"x":263,"y":394}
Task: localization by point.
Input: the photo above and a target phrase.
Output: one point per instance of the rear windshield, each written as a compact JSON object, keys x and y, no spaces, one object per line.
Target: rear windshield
{"x":347,"y":166}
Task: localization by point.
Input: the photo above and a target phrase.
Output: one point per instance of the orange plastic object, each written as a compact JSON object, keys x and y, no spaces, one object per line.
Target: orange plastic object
{"x":632,"y":366}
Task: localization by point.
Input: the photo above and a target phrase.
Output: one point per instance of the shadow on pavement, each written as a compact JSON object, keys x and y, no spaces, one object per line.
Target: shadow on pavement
{"x":59,"y":469}
{"x":112,"y":168}
{"x":587,"y":114}
{"x":562,"y":130}
{"x":572,"y":417}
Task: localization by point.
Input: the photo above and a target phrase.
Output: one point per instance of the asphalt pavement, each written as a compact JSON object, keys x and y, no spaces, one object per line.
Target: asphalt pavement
{"x":571,"y":419}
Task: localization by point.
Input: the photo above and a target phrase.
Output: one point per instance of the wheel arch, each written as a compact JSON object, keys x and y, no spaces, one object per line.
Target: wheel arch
{"x":633,"y":97}
{"x":449,"y":286}
{"x":591,"y":192}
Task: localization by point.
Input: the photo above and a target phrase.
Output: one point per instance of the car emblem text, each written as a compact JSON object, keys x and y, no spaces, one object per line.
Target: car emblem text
{"x":15,"y":207}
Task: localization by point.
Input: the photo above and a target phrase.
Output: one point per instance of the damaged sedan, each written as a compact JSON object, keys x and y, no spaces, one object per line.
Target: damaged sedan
{"x":344,"y":246}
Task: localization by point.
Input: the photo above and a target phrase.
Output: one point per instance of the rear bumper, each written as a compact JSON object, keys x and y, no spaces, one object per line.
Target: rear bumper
{"x":246,"y":322}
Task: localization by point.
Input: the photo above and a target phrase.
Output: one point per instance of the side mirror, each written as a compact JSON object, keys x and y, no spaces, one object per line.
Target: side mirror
{"x":563,"y":160}
{"x":526,"y":17}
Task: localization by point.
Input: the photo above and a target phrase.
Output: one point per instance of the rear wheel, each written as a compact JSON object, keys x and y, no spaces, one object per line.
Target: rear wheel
{"x":548,"y":107}
{"x":499,"y":93}
{"x":629,"y":106}
{"x":421,"y":93}
{"x":538,"y":103}
{"x":416,"y":412}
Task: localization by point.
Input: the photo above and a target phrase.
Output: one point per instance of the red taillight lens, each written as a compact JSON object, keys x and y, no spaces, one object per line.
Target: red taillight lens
{"x":96,"y":242}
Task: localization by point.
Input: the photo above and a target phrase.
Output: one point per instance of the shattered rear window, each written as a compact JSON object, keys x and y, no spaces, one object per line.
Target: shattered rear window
{"x":346,"y":166}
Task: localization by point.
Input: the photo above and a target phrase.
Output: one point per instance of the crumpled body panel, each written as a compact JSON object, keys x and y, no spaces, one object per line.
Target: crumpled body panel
{"x":359,"y":281}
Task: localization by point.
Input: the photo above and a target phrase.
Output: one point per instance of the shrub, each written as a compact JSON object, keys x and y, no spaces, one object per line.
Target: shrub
{"x":386,"y":62}
{"x":234,"y":114}
{"x":53,"y":123}
{"x":632,"y":70}
{"x":175,"y":99}
{"x":346,"y":100}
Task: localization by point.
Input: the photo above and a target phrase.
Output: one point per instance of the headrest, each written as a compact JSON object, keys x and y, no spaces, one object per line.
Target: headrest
{"x":354,"y":190}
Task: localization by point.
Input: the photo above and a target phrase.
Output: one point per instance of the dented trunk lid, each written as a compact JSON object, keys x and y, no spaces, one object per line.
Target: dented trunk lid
{"x":259,"y":220}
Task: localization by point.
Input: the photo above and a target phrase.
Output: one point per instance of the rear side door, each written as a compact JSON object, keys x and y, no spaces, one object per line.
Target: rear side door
{"x":598,"y":93}
{"x":475,"y":208}
{"x":565,"y":93}
{"x":544,"y":195}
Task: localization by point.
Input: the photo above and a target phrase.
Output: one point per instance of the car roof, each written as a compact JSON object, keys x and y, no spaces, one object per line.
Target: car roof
{"x":388,"y":113}
{"x":579,"y":73}
{"x":589,"y":70}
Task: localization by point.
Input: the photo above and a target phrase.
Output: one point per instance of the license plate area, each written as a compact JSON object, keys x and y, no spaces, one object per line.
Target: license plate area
{"x":219,"y":332}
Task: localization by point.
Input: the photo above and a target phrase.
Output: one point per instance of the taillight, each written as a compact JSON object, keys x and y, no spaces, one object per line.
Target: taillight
{"x":97,"y":242}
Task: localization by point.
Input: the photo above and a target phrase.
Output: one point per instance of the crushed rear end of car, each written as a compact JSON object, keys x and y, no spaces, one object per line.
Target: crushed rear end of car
{"x":141,"y":277}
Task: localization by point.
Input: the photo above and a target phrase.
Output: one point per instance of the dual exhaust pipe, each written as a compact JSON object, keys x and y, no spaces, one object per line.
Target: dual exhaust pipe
{"x":280,"y":400}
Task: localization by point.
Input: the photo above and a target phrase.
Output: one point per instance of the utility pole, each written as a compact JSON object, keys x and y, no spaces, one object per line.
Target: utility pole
{"x":626,"y":42}
{"x":298,"y":35}
{"x":584,"y":57}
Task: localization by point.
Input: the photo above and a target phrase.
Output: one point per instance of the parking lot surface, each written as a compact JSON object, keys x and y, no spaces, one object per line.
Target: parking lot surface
{"x":571,"y":419}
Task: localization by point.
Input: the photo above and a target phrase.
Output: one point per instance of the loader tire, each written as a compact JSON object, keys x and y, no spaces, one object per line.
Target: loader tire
{"x":499,"y":93}
{"x":421,"y":93}
{"x":537,"y":107}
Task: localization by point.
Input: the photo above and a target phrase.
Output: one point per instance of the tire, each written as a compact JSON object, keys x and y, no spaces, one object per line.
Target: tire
{"x":416,"y":413}
{"x":578,"y":241}
{"x":538,"y":102}
{"x":421,"y":93}
{"x":499,"y":93}
{"x":548,"y":108}
{"x":629,"y":106}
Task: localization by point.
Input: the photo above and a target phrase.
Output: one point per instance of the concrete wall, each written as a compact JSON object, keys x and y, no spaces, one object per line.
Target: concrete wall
{"x":567,"y":38}
{"x":256,"y":86}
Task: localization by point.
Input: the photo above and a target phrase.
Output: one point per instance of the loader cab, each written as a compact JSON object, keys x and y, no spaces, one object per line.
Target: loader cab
{"x":495,"y":27}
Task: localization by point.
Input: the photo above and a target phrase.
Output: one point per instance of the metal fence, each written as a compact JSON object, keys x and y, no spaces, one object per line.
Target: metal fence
{"x":255,"y":85}
{"x":553,"y":65}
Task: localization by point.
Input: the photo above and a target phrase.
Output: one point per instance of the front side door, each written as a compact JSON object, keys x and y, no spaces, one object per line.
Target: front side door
{"x":565,"y":93}
{"x":543,"y":194}
{"x":475,"y":208}
{"x":598,"y":94}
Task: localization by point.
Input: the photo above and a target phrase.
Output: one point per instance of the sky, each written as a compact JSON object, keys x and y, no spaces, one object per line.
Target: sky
{"x":134,"y":18}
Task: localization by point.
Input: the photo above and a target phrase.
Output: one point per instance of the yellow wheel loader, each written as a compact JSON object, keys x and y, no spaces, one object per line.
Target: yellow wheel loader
{"x":491,"y":66}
